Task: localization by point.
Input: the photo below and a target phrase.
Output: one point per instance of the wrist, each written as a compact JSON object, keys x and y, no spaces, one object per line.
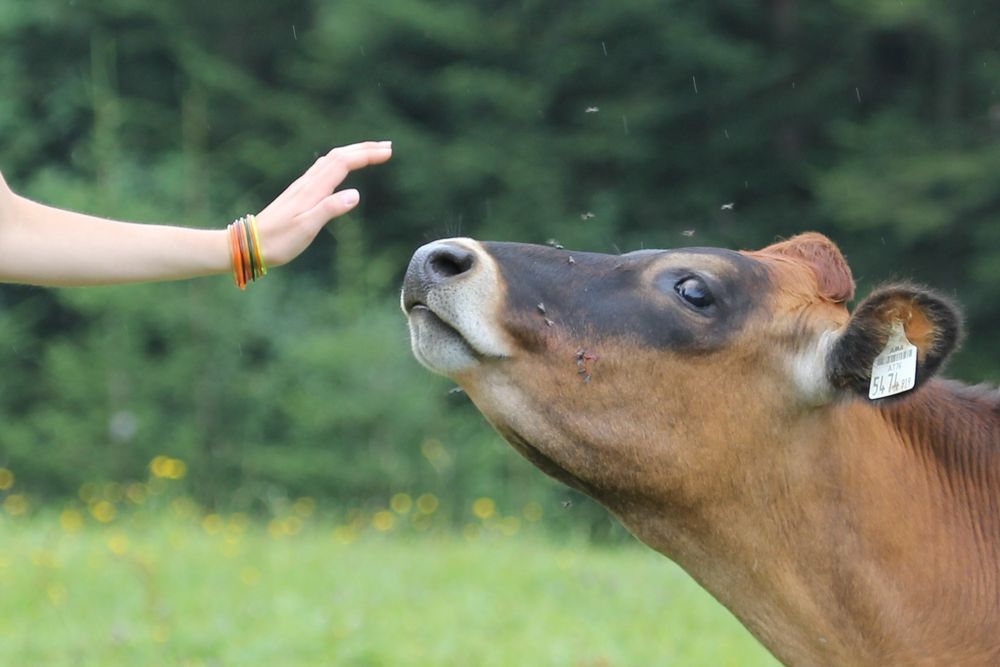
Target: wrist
{"x":208,"y":251}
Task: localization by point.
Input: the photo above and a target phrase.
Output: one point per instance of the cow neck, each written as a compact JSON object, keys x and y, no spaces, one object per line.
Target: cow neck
{"x":852,"y":526}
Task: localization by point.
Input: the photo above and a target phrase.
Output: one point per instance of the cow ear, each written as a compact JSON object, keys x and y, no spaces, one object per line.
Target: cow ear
{"x":823,"y":257}
{"x":929,"y":321}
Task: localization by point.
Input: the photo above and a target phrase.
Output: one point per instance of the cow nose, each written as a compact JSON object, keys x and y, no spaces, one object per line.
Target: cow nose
{"x":447,"y":261}
{"x":432,"y":265}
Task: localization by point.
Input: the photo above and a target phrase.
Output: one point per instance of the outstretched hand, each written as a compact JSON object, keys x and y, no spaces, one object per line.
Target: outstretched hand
{"x":44,"y":245}
{"x":290,"y":223}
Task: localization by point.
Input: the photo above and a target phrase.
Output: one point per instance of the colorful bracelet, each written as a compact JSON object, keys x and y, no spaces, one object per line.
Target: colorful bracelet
{"x":247,"y":257}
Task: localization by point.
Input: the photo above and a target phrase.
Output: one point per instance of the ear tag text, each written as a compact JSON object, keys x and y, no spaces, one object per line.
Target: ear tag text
{"x":895,"y":368}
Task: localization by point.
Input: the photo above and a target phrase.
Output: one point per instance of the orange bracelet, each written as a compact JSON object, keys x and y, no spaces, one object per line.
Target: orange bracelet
{"x":237,"y":256}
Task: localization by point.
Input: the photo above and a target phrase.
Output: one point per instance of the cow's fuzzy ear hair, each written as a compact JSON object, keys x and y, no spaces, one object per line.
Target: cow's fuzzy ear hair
{"x":833,"y":275}
{"x":931,"y":322}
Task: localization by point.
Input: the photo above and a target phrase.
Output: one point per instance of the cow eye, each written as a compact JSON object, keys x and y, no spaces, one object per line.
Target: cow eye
{"x":694,"y":291}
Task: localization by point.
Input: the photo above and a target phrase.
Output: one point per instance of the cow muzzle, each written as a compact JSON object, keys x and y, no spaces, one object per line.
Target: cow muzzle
{"x":451,"y":296}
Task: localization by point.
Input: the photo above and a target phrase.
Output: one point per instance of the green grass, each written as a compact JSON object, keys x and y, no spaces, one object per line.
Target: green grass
{"x":166,"y":591}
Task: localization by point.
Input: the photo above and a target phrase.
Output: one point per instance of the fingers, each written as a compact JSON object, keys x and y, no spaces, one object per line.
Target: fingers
{"x":331,"y":169}
{"x":309,"y":198}
{"x":330,"y":207}
{"x":357,"y":156}
{"x":362,"y":146}
{"x":353,"y":156}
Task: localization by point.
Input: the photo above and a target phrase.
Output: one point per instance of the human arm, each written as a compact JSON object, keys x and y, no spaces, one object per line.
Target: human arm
{"x":43,"y":245}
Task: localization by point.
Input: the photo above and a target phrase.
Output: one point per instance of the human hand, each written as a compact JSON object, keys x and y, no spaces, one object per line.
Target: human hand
{"x":290,"y":223}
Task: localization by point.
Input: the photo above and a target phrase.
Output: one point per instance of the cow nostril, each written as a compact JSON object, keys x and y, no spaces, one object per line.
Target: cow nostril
{"x":449,"y":261}
{"x":435,"y":264}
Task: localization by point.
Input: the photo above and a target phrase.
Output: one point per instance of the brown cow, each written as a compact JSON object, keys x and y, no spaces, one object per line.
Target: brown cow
{"x":717,"y":403}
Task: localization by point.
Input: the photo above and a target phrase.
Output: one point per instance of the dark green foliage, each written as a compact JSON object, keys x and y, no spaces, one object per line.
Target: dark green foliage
{"x":602,"y":125}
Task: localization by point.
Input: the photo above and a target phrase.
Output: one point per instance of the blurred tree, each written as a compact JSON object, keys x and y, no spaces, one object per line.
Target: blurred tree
{"x":604,"y":126}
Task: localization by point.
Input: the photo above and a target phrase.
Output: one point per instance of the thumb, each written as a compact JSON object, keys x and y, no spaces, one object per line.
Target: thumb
{"x":332,"y":206}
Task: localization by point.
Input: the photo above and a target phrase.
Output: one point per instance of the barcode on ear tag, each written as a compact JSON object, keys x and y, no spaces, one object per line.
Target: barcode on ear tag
{"x":895,"y":368}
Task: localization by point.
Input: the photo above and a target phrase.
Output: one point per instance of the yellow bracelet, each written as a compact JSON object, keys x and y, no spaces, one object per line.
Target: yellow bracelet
{"x":258,"y":251}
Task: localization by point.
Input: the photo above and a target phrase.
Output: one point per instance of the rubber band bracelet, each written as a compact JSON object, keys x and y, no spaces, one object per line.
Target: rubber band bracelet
{"x":247,"y":245}
{"x":247,"y":256}
{"x":258,"y":253}
{"x":236,"y":256}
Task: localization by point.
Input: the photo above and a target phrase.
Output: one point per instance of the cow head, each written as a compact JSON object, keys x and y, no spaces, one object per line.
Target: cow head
{"x":657,"y":380}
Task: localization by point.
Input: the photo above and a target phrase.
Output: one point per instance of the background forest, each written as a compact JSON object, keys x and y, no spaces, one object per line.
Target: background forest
{"x":604,"y":126}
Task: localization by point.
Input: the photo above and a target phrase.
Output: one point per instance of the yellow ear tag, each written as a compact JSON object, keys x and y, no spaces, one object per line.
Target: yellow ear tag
{"x":895,"y":368}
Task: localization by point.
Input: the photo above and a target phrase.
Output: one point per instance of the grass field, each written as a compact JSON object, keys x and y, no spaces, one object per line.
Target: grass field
{"x":222,"y":591}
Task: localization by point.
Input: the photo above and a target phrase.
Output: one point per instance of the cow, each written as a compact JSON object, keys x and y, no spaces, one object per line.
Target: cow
{"x":800,"y":461}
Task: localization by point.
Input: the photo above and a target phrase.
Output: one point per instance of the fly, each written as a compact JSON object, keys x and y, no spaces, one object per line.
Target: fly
{"x":583,"y":357}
